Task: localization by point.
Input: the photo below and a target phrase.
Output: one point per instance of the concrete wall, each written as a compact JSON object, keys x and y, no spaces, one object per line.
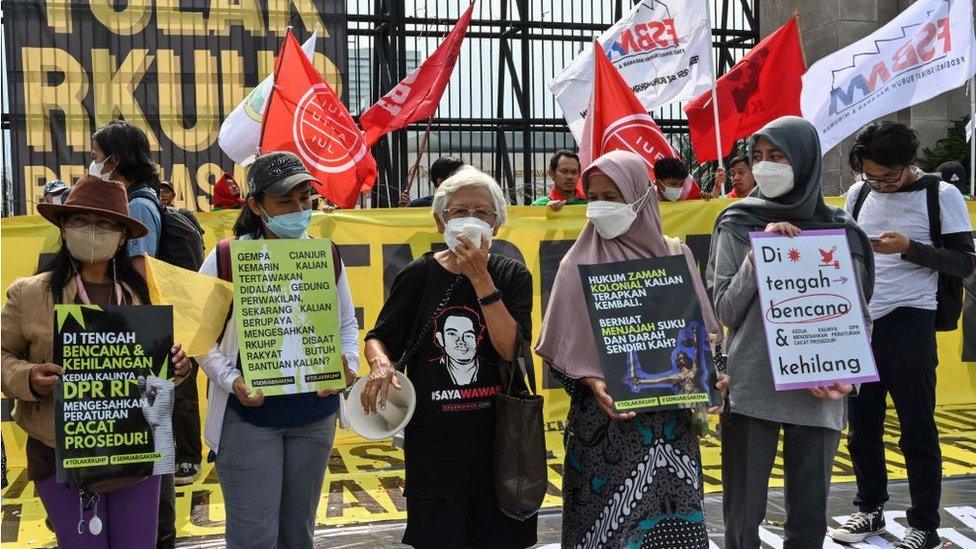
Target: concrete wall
{"x":829,"y":25}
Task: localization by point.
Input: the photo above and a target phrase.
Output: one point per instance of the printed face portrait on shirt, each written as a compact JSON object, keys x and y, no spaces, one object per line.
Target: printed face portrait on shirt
{"x":459,"y":331}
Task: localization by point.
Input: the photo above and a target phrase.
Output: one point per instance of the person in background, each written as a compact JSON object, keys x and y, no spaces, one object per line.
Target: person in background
{"x":564,"y":170}
{"x":120,"y":152}
{"x":606,"y":450}
{"x":742,"y":180}
{"x":788,"y":169}
{"x":441,"y":169}
{"x":955,"y":174}
{"x":186,"y":411}
{"x":93,"y":267}
{"x":453,"y":316}
{"x":226,"y":194}
{"x":673,"y":182}
{"x":893,"y":207}
{"x":271,"y":452}
{"x":55,"y":192}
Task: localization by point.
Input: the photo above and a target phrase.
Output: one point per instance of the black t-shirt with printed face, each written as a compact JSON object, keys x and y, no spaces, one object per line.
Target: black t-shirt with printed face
{"x":449,"y":440}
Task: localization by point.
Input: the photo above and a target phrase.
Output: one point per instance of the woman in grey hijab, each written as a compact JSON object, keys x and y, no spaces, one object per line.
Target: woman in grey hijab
{"x":786,"y":163}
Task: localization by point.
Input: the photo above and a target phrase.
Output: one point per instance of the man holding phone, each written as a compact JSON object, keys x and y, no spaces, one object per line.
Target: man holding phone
{"x":920,"y":230}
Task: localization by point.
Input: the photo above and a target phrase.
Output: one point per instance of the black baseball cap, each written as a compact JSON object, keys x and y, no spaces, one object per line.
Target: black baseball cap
{"x":167,"y":184}
{"x":277,"y":173}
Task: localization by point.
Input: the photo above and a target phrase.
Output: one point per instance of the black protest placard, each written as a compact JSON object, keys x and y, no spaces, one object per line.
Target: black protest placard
{"x":652,"y":342}
{"x":114,"y":402}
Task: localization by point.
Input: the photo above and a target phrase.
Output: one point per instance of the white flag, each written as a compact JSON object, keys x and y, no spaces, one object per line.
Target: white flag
{"x":240,"y":134}
{"x":662,"y":48}
{"x":926,"y":50}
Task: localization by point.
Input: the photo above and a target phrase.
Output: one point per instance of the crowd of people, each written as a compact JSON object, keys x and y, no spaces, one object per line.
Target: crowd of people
{"x":453,"y":316}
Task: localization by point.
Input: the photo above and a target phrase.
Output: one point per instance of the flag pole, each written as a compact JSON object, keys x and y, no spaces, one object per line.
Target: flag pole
{"x":972,"y":140}
{"x":274,"y":82}
{"x":718,"y":132}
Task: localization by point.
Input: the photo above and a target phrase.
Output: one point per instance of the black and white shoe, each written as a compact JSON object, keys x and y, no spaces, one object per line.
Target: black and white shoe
{"x":920,"y":539}
{"x":186,"y":473}
{"x":859,"y":527}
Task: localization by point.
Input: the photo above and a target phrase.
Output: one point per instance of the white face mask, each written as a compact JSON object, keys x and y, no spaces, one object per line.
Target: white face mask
{"x":471,"y":227}
{"x":772,"y":178}
{"x":671,"y":194}
{"x":612,"y":219}
{"x":92,"y":243}
{"x":95,"y":169}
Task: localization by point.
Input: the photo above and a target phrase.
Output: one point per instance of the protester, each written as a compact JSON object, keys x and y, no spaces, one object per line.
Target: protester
{"x":92,"y":266}
{"x":120,"y":152}
{"x":564,"y":170}
{"x":891,"y":203}
{"x":55,"y":192}
{"x":186,"y":411}
{"x":742,"y":180}
{"x":441,"y":169}
{"x":226,"y":194}
{"x":451,"y":317}
{"x":271,"y":452}
{"x":955,"y":174}
{"x":603,"y":457}
{"x":673,"y":182}
{"x":788,"y":169}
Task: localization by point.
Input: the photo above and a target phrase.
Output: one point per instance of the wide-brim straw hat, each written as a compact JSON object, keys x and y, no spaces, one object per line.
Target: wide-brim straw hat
{"x":93,"y":195}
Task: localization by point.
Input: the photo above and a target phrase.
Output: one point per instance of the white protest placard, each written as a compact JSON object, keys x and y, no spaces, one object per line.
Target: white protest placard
{"x":811,"y":310}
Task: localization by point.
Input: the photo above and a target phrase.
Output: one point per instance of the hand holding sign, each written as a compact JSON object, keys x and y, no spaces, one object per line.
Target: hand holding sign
{"x":604,"y":400}
{"x":836,"y":391}
{"x":246,"y":396}
{"x":43,"y":378}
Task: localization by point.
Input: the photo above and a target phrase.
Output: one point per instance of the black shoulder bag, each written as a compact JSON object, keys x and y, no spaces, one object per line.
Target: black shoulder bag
{"x":520,"y":442}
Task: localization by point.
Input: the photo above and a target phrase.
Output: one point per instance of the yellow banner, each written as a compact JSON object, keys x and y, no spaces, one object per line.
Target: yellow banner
{"x":365,"y":479}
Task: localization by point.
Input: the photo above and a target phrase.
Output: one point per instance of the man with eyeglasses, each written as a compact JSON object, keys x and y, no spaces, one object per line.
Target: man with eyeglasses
{"x":564,"y":171}
{"x":920,"y":229}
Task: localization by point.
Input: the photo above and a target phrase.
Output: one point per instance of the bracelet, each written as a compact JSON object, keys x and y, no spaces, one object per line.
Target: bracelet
{"x":490,"y":298}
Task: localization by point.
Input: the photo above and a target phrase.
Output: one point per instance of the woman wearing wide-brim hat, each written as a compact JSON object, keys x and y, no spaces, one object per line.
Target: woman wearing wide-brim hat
{"x":90,"y":267}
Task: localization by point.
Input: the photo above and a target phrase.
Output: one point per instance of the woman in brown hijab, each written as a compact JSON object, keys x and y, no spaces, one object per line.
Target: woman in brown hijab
{"x":630,"y":480}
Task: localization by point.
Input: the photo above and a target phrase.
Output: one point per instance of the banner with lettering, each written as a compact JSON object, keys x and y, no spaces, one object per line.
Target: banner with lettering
{"x":287,"y":315}
{"x":113,"y":407}
{"x":810,"y":299}
{"x":175,"y":69}
{"x":649,"y":333}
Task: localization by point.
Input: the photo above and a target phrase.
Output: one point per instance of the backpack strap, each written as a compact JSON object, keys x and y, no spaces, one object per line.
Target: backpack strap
{"x":224,"y":273}
{"x":935,"y":213}
{"x":862,"y":195}
{"x":223,"y":260}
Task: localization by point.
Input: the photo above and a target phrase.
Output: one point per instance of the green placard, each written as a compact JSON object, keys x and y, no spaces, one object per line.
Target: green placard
{"x":287,"y":315}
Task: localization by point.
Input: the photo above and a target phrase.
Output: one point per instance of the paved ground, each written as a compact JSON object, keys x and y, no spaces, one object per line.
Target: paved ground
{"x":958,"y":500}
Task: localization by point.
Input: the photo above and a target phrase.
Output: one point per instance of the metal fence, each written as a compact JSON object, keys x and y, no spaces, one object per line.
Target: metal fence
{"x":498,"y":113}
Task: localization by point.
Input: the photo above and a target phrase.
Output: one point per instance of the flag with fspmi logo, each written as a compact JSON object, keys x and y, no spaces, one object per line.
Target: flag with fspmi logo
{"x":926,"y":50}
{"x":660,"y":47}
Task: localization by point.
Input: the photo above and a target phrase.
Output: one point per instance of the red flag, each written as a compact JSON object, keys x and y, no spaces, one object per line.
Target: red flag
{"x":305,"y":116}
{"x":616,"y":119}
{"x":416,"y":97}
{"x":763,"y":86}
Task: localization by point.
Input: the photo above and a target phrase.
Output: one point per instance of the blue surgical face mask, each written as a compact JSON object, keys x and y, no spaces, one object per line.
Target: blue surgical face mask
{"x":289,"y":225}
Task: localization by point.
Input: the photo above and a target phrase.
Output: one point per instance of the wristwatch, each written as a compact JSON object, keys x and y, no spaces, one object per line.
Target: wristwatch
{"x":490,"y":298}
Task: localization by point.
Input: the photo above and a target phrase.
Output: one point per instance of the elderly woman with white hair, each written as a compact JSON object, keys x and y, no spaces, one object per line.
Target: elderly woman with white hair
{"x":450,"y":318}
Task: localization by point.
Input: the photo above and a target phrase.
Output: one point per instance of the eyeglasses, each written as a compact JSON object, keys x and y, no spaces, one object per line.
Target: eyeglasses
{"x":488,"y":216}
{"x":874,"y":183}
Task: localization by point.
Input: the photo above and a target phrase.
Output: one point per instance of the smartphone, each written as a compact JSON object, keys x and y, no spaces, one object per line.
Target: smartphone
{"x":874,"y":238}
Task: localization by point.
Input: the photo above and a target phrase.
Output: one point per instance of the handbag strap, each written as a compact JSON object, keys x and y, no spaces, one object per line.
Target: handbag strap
{"x":411,"y":351}
{"x":521,"y":364}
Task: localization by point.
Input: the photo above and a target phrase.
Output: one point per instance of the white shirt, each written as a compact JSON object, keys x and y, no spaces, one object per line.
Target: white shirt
{"x":900,"y":283}
{"x":220,"y":364}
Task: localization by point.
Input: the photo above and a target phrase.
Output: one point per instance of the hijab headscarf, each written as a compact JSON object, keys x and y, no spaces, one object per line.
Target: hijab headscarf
{"x":803,"y":206}
{"x":224,"y":197}
{"x":561,"y":342}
